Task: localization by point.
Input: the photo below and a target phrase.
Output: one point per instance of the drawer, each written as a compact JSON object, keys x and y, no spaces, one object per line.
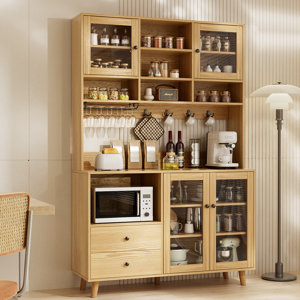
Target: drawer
{"x":125,"y":264}
{"x":122,"y":237}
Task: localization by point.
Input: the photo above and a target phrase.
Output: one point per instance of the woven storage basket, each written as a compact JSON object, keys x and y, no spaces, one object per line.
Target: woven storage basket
{"x":13,"y":222}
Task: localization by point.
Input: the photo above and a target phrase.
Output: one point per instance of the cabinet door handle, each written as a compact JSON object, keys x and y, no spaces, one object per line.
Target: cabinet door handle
{"x":207,"y":205}
{"x":197,"y":50}
{"x":213,"y":206}
{"x":127,"y":238}
{"x":127,"y":264}
{"x":135,"y":47}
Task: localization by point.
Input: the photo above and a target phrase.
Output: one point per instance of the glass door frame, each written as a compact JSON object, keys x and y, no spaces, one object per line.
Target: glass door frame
{"x":134,"y":24}
{"x":250,"y":262}
{"x":168,"y":178}
{"x":238,"y":29}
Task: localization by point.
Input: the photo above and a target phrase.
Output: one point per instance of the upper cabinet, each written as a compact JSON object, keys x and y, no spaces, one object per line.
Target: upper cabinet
{"x":111,"y":46}
{"x":218,"y":51}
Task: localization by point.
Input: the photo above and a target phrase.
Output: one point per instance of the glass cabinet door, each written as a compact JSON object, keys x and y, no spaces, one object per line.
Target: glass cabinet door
{"x":186,"y":223}
{"x":231,"y":219}
{"x":218,"y":53}
{"x":111,"y":46}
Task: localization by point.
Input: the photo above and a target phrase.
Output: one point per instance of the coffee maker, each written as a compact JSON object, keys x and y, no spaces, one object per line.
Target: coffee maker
{"x":220,"y":145}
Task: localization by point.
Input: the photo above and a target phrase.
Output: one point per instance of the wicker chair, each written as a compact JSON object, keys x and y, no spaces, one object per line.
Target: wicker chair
{"x":15,"y":236}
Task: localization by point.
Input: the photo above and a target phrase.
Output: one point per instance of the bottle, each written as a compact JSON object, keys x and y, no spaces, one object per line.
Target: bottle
{"x":180,"y":151}
{"x":94,"y":37}
{"x":178,"y":192}
{"x":125,"y":41}
{"x":185,"y":194}
{"x":115,"y":39}
{"x":104,"y":38}
{"x":170,"y":147}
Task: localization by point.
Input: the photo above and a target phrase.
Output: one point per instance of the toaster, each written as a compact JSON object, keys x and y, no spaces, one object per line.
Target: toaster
{"x":109,"y":162}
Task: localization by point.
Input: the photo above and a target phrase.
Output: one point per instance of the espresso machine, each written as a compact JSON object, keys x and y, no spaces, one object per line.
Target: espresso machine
{"x":220,"y":145}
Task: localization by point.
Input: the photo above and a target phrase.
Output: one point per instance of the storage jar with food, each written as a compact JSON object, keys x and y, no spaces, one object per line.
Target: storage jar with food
{"x":179,"y":42}
{"x":214,"y":96}
{"x":164,"y":68}
{"x":147,"y":41}
{"x":103,"y":94}
{"x":207,"y":43}
{"x":113,"y":94}
{"x":124,"y":94}
{"x":93,"y":93}
{"x":201,"y":96}
{"x":169,"y":42}
{"x":226,"y":96}
{"x":228,"y":222}
{"x":158,"y":41}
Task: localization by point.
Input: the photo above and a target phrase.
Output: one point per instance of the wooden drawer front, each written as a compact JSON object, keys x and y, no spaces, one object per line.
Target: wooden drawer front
{"x":127,"y":263}
{"x":116,"y":238}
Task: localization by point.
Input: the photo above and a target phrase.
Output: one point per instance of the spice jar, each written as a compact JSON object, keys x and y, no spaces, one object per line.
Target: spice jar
{"x":105,"y":65}
{"x":113,"y":94}
{"x":226,"y":96}
{"x":207,"y":43}
{"x":125,"y":41}
{"x":217,"y":44}
{"x":104,"y":37}
{"x":124,"y":94}
{"x":98,"y":61}
{"x":214,"y":96}
{"x":115,"y":38}
{"x":155,"y":68}
{"x":226,"y":44}
{"x":94,"y":65}
{"x":164,"y":68}
{"x":92,"y":93}
{"x":239,"y":194}
{"x":239,"y":226}
{"x":174,"y":73}
{"x":102,"y":94}
{"x":170,"y":161}
{"x":218,"y":222}
{"x":147,"y":41}
{"x":201,"y":96}
{"x":169,"y":42}
{"x":124,"y":66}
{"x":110,"y":64}
{"x":228,"y":194}
{"x":228,"y":222}
{"x":179,"y":42}
{"x":158,"y":41}
{"x":117,"y":62}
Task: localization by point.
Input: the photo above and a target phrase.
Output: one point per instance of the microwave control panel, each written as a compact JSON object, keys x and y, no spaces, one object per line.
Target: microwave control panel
{"x":147,"y":204}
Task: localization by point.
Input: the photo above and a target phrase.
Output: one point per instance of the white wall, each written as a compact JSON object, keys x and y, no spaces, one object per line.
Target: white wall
{"x":35,"y":115}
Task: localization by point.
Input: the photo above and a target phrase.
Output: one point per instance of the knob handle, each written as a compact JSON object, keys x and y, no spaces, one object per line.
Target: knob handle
{"x":127,"y":264}
{"x":213,"y":206}
{"x":127,"y":238}
{"x":146,"y":214}
{"x":197,"y":50}
{"x":135,"y":47}
{"x":206,"y":205}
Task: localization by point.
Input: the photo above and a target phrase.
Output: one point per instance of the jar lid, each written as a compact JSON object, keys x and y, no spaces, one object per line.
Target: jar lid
{"x":124,"y":64}
{"x":93,"y":88}
{"x":169,"y":37}
{"x":229,"y":187}
{"x":113,"y":89}
{"x":174,"y":71}
{"x":238,"y":214}
{"x":185,"y":186}
{"x":95,"y":66}
{"x":158,"y":37}
{"x":115,"y":67}
{"x":103,"y":89}
{"x":164,"y":61}
{"x":124,"y":89}
{"x":218,"y":215}
{"x":228,"y":215}
{"x":110,"y":62}
{"x":154,"y":61}
{"x":148,"y":36}
{"x":105,"y":64}
{"x":118,"y":60}
{"x":170,"y":153}
{"x":180,"y":38}
{"x":98,"y":59}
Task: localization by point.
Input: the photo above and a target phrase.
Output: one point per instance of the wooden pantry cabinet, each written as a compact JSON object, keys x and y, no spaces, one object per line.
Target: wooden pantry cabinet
{"x":102,"y":252}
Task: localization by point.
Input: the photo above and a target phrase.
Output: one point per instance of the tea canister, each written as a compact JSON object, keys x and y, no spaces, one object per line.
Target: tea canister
{"x":147,"y":41}
{"x":179,"y":42}
{"x":174,"y":73}
{"x":158,"y":41}
{"x":169,"y":42}
{"x":93,"y":93}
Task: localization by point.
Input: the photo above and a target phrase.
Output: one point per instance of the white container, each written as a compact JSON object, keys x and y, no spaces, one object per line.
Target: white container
{"x":178,"y":254}
{"x":174,"y":73}
{"x":227,"y":69}
{"x":109,"y":162}
{"x":94,"y":38}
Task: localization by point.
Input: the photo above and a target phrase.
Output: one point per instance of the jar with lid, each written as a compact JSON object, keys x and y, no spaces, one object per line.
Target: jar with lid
{"x":226,"y":96}
{"x":222,"y":192}
{"x":104,"y":37}
{"x":94,"y":65}
{"x":115,"y":38}
{"x":207,"y":43}
{"x":110,"y":64}
{"x":201,"y":96}
{"x":238,"y":194}
{"x":125,"y":40}
{"x":102,"y":94}
{"x":98,"y":61}
{"x":174,"y":73}
{"x":179,"y":42}
{"x":164,"y":68}
{"x":158,"y":41}
{"x":113,"y":94}
{"x":124,"y":66}
{"x":214,"y":96}
{"x":124,"y":94}
{"x":217,"y":43}
{"x":147,"y":41}
{"x":169,"y":42}
{"x":239,"y":226}
{"x":170,"y":161}
{"x":228,"y":194}
{"x":117,"y":62}
{"x":155,"y":68}
{"x":226,"y":44}
{"x":93,"y":93}
{"x":115,"y":66}
{"x":218,"y":222}
{"x":105,"y":65}
{"x":228,"y":222}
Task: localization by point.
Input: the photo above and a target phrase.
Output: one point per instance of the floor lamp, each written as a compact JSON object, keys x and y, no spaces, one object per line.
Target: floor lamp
{"x":279,"y":97}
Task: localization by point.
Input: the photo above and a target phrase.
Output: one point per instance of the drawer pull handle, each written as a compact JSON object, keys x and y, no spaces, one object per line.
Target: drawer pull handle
{"x":127,"y":238}
{"x":127,"y":264}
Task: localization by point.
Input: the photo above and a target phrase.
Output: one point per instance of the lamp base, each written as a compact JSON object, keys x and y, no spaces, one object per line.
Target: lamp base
{"x":286,"y":277}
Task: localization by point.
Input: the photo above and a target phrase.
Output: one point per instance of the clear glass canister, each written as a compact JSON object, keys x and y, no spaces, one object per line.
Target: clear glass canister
{"x":214,"y":96}
{"x":147,"y":41}
{"x":113,"y":94}
{"x":226,"y":44}
{"x":207,"y":43}
{"x":195,"y":152}
{"x":238,"y":194}
{"x":169,"y":42}
{"x":102,"y":94}
{"x":217,"y":43}
{"x":158,"y":41}
{"x":155,"y":68}
{"x":229,"y":194}
{"x":228,"y":222}
{"x":201,"y":96}
{"x":164,"y":68}
{"x":218,"y":222}
{"x":124,"y":94}
{"x":93,"y":93}
{"x":170,"y":161}
{"x":179,"y":42}
{"x":104,"y":37}
{"x":239,"y":226}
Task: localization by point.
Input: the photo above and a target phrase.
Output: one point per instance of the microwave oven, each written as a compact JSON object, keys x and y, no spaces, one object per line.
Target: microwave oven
{"x":122,"y":204}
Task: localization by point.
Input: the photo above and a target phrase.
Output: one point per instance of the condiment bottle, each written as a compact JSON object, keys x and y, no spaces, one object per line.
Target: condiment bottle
{"x":104,"y":38}
{"x":201,"y":96}
{"x":125,"y":41}
{"x":115,"y":39}
{"x":226,"y":44}
{"x":170,"y":162}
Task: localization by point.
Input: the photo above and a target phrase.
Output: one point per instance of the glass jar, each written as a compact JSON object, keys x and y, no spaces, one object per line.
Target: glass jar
{"x":179,"y":42}
{"x":222,"y":193}
{"x":226,"y":44}
{"x":103,"y":94}
{"x":94,"y":65}
{"x":147,"y":41}
{"x":228,"y":222}
{"x":155,"y":68}
{"x":185,"y":197}
{"x":207,"y":43}
{"x":164,"y":68}
{"x":117,"y":62}
{"x":201,"y":96}
{"x":124,"y":66}
{"x":93,"y":93}
{"x":228,"y":194}
{"x":158,"y":41}
{"x":113,"y":94}
{"x":214,"y":96}
{"x":105,"y":65}
{"x":110,"y":64}
{"x":195,"y":153}
{"x":104,"y":37}
{"x":226,"y":96}
{"x":170,"y":161}
{"x":115,"y":38}
{"x":238,"y":194}
{"x":169,"y":42}
{"x":174,"y":73}
{"x":172,"y":195}
{"x":218,"y":222}
{"x":98,"y":61}
{"x":125,"y":41}
{"x":239,"y":226}
{"x":124,"y":94}
{"x":217,"y":43}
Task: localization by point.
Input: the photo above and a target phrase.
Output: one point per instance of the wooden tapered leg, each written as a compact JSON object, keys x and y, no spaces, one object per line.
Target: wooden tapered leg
{"x":82,"y":284}
{"x":157,"y":280}
{"x":242,"y":277}
{"x":225,"y":275}
{"x":95,"y":286}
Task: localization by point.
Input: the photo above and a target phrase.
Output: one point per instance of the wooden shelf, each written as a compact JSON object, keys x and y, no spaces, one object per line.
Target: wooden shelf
{"x":168,"y":50}
{"x":108,"y":77}
{"x":111,"y":47}
{"x":231,"y":204}
{"x":150,"y":78}
{"x":186,"y":205}
{"x":185,"y":235}
{"x":231,"y":233}
{"x":217,"y":52}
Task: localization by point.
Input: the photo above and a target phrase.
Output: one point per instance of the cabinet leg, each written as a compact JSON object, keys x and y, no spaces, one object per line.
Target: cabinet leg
{"x":95,"y":286}
{"x":157,"y":280}
{"x":225,"y":275}
{"x":242,"y":277}
{"x":82,"y":284}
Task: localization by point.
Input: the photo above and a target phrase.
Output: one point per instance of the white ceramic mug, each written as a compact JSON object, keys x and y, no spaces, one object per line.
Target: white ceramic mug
{"x":169,"y":120}
{"x":227,"y":69}
{"x":190,"y":121}
{"x":176,"y":227}
{"x":188,"y":228}
{"x":210,"y":121}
